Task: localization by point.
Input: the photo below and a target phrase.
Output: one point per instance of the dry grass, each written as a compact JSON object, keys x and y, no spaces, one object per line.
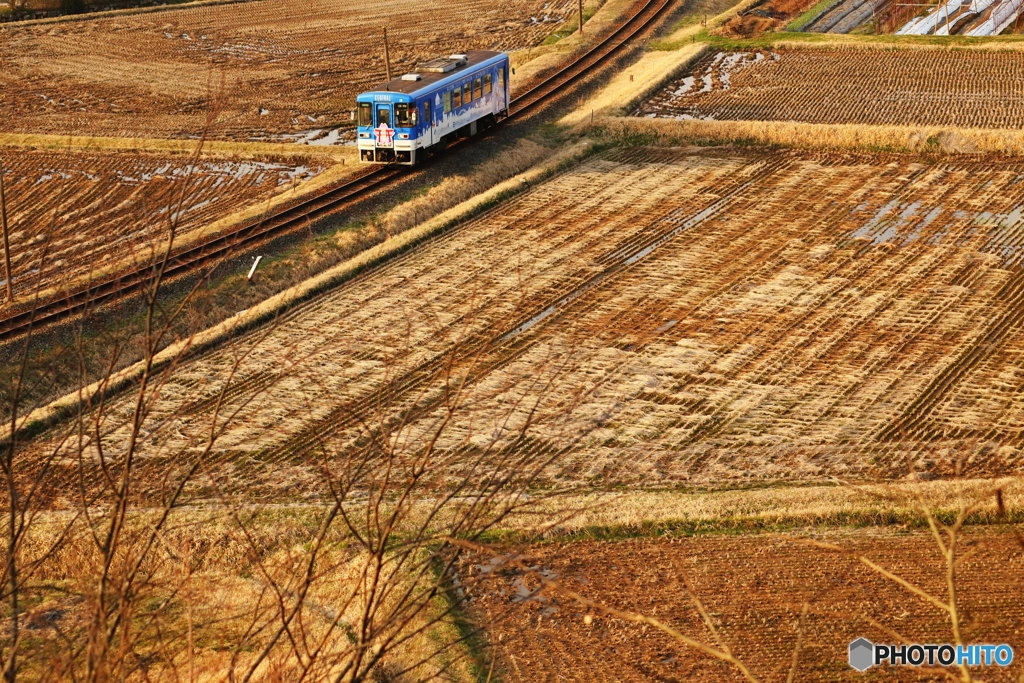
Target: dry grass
{"x":635,"y":83}
{"x":214,"y":577}
{"x":813,"y":135}
{"x":811,"y":505}
{"x":837,"y":41}
{"x":456,"y":190}
{"x":122,"y":12}
{"x":218,"y":576}
{"x":345,"y":154}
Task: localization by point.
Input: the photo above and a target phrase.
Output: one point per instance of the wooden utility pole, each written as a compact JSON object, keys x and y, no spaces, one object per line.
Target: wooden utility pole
{"x":7,"y":239}
{"x":581,"y":17}
{"x":387,"y":55}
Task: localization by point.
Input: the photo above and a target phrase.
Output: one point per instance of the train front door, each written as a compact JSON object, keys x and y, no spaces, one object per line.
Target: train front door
{"x":384,"y":131}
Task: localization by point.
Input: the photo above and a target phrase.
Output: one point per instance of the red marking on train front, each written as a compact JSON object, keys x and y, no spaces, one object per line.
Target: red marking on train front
{"x":385,"y":135}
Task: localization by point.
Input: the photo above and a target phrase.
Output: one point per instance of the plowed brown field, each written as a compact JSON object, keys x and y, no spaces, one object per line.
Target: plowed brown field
{"x":269,"y":69}
{"x":754,"y":588}
{"x":682,"y":315}
{"x":74,"y":214}
{"x":875,"y":87}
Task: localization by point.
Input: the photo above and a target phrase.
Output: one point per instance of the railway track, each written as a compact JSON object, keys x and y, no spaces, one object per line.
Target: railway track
{"x":20,"y":322}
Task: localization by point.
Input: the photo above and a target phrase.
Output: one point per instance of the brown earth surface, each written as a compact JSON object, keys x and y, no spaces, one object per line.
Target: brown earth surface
{"x":755,"y":588}
{"x":74,"y":215}
{"x":272,"y":69}
{"x":650,"y":317}
{"x":873,"y":87}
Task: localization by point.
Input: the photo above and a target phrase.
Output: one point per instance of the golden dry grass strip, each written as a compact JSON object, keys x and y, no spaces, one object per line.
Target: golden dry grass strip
{"x":813,"y":135}
{"x":122,"y":12}
{"x":346,"y":154}
{"x":838,"y":41}
{"x":811,"y":504}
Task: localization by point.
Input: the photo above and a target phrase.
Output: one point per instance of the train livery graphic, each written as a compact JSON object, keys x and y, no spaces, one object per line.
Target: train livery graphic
{"x":446,"y":98}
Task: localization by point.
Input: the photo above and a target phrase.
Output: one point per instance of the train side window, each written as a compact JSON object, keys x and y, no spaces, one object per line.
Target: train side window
{"x":457,"y":97}
{"x":426,"y":114}
{"x":447,"y":101}
{"x":468,"y":97}
{"x":365,"y":114}
{"x":501,"y":77}
{"x":478,"y":88}
{"x":488,"y":83}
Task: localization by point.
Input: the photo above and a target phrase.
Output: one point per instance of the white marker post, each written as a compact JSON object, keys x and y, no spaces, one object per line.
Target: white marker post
{"x":253,"y":269}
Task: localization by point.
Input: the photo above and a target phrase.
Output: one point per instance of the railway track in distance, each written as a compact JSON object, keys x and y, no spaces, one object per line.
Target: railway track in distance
{"x":41,"y":314}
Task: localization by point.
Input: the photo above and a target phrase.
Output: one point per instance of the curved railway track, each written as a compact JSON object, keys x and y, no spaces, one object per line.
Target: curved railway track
{"x":334,"y":199}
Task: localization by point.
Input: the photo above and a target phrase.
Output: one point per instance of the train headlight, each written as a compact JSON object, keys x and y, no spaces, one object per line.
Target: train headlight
{"x":364,"y":135}
{"x":403,"y":136}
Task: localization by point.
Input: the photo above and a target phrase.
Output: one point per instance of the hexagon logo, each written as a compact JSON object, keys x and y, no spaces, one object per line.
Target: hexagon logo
{"x":862,"y":654}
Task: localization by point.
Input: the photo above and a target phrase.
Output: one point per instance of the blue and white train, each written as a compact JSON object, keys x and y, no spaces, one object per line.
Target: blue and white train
{"x":444,"y":99}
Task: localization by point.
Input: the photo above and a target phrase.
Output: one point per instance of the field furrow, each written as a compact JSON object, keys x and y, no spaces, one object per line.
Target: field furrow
{"x":965,"y":89}
{"x":268,"y":70}
{"x":77,"y":215}
{"x":754,"y":588}
{"x":656,"y":316}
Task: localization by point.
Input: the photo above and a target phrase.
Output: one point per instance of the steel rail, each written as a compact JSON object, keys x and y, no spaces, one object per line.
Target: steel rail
{"x":41,"y":314}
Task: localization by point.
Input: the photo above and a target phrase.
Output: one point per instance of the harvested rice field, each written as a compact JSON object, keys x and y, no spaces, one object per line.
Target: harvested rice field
{"x":754,"y":588}
{"x":280,"y":70}
{"x":75,"y":214}
{"x":699,"y":316}
{"x":967,"y":89}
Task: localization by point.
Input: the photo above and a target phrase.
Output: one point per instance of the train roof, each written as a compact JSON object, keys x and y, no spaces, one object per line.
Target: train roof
{"x":437,"y":71}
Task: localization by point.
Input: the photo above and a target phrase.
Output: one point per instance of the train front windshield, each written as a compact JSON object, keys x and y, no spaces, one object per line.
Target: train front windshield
{"x":383,"y":114}
{"x":365,"y":114}
{"x":405,"y":115}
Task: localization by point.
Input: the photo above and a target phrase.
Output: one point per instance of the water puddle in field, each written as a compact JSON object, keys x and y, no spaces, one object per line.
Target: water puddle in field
{"x":333,"y":137}
{"x":724,"y":65}
{"x":716,"y":76}
{"x":22,"y":276}
{"x":885,"y":227}
{"x":256,"y":172}
{"x":315,"y":136}
{"x":904,"y":223}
